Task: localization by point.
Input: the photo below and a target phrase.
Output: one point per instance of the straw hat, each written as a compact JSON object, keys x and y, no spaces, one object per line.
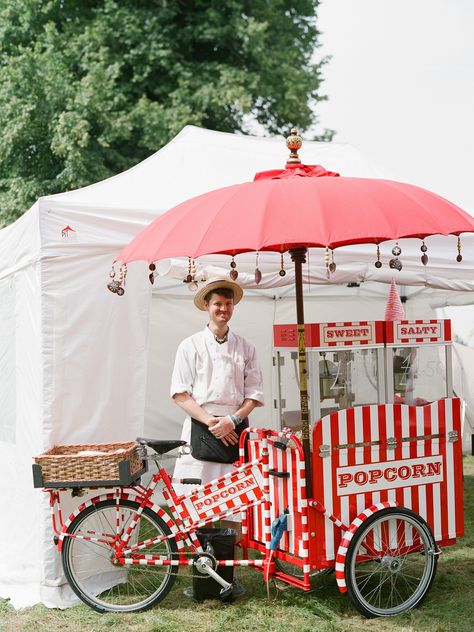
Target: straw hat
{"x":213,"y":284}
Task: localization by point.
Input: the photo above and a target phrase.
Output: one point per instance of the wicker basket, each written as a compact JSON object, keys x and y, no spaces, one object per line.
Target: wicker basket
{"x":64,"y":463}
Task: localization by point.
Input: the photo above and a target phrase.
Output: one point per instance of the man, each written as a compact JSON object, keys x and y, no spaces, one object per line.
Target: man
{"x":216,"y":378}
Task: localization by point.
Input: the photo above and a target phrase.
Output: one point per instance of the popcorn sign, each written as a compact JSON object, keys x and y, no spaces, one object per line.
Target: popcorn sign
{"x":359,"y":479}
{"x":234,"y":492}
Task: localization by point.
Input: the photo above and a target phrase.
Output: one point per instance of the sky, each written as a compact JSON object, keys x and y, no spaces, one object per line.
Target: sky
{"x":401,"y":87}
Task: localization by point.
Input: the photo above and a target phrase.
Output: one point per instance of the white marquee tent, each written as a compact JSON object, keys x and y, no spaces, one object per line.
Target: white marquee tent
{"x":81,"y":365}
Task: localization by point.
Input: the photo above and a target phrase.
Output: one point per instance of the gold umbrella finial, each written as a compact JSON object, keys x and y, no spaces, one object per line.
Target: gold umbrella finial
{"x":294,"y":142}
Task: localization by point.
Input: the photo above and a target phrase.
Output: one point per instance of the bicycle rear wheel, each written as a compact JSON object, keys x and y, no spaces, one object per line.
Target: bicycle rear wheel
{"x":88,"y":563}
{"x":391,"y":563}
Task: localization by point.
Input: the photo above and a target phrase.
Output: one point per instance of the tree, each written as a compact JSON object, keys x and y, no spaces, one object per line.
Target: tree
{"x":90,"y":87}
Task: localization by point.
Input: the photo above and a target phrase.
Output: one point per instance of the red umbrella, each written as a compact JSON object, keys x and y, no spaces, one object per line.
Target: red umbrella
{"x":301,"y":206}
{"x":291,"y":210}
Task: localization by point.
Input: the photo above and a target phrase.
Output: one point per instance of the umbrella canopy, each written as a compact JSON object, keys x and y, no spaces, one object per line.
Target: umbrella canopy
{"x":301,"y":206}
{"x":291,"y":210}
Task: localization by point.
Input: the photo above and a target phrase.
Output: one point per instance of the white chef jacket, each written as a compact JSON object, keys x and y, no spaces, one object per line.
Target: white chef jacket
{"x":218,"y":377}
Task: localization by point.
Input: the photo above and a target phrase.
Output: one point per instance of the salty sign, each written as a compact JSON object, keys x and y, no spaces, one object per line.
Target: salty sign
{"x":360,"y":479}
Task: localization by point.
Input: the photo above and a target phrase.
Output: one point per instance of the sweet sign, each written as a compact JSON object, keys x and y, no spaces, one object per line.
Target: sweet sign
{"x":323,"y":335}
{"x":343,"y":333}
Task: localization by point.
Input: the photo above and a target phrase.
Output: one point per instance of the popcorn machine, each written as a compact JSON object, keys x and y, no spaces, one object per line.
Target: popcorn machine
{"x":345,"y":363}
{"x":356,"y":363}
{"x":418,"y":361}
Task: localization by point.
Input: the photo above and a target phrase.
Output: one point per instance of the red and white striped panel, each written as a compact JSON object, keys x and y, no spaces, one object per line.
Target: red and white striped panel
{"x":346,"y":540}
{"x":121,"y":496}
{"x":355,"y":467}
{"x":350,"y":334}
{"x":323,"y":335}
{"x":284,"y":492}
{"x":227,"y":494}
{"x":410,"y":332}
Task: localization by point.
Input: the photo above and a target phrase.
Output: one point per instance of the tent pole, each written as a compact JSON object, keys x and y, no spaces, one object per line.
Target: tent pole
{"x":298,"y":256}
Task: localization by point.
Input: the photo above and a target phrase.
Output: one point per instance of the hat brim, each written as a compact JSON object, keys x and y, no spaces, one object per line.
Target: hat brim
{"x":215,"y":284}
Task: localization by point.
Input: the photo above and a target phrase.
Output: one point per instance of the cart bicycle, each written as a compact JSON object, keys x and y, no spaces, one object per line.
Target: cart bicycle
{"x":387,"y":481}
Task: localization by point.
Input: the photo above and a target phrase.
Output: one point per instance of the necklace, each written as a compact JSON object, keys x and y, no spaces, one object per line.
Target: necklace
{"x":220,"y":341}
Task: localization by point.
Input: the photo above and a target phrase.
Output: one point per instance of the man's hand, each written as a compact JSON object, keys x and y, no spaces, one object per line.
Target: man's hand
{"x":223,"y":428}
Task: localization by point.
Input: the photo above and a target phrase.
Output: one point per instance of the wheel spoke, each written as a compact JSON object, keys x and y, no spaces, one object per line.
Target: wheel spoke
{"x":89,"y":565}
{"x":387,"y":572}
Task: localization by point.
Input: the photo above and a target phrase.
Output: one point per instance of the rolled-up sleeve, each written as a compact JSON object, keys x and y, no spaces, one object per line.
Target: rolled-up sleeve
{"x":253,"y":378}
{"x":183,"y":376}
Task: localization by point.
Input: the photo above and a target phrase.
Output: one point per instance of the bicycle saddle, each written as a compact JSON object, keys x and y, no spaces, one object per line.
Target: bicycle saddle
{"x":161,"y":445}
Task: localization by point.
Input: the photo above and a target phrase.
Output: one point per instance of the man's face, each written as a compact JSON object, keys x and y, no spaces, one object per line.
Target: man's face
{"x":220,"y":308}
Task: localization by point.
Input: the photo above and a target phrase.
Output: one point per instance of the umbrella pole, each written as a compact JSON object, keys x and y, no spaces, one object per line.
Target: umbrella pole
{"x":298,"y":256}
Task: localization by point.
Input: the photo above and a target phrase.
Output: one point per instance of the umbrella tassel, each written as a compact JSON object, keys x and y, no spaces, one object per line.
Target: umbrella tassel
{"x":258,"y":274}
{"x":459,"y":257}
{"x":233,"y":273}
{"x":424,"y":256}
{"x":191,"y":276}
{"x":282,"y":267}
{"x":151,"y":276}
{"x":395,"y":263}
{"x":378,"y":263}
{"x":332,"y":264}
{"x":326,"y":262}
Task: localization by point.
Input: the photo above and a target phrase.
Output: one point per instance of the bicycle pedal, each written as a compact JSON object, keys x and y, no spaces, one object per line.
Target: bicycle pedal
{"x":226,"y":593}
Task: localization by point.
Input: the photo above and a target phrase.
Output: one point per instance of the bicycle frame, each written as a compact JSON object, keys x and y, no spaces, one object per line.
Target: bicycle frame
{"x":228,"y":496}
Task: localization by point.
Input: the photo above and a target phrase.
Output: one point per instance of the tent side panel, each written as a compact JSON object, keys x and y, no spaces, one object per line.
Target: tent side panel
{"x":20,"y":428}
{"x":20,"y":243}
{"x":94,"y":357}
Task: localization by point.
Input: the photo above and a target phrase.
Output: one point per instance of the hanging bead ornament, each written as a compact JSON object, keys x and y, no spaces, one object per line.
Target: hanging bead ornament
{"x":233,"y":273}
{"x":424,"y":256}
{"x":121,"y":281}
{"x":395,"y":263}
{"x":378,"y":263}
{"x":326,"y":262}
{"x":151,"y":276}
{"x":113,"y":285}
{"x":258,"y":274}
{"x":459,"y":257}
{"x":332,"y":265}
{"x":282,"y":269}
{"x":189,"y":276}
{"x":193,"y":286}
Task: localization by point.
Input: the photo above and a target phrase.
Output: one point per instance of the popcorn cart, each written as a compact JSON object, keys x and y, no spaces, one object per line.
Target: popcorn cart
{"x":386,"y":458}
{"x":386,"y":481}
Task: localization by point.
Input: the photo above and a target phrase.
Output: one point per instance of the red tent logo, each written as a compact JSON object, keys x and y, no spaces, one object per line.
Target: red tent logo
{"x":67,"y":232}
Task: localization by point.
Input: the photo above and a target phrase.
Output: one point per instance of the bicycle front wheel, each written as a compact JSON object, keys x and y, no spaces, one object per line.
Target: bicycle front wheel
{"x":391,"y":563}
{"x":88,"y":556}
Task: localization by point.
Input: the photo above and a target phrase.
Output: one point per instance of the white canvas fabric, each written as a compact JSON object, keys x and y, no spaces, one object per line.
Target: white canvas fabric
{"x":81,"y":365}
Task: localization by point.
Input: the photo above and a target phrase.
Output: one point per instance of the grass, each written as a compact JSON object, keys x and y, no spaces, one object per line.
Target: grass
{"x":448,"y":607}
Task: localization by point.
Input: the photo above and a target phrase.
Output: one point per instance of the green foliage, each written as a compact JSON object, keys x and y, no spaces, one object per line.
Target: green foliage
{"x":90,"y":87}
